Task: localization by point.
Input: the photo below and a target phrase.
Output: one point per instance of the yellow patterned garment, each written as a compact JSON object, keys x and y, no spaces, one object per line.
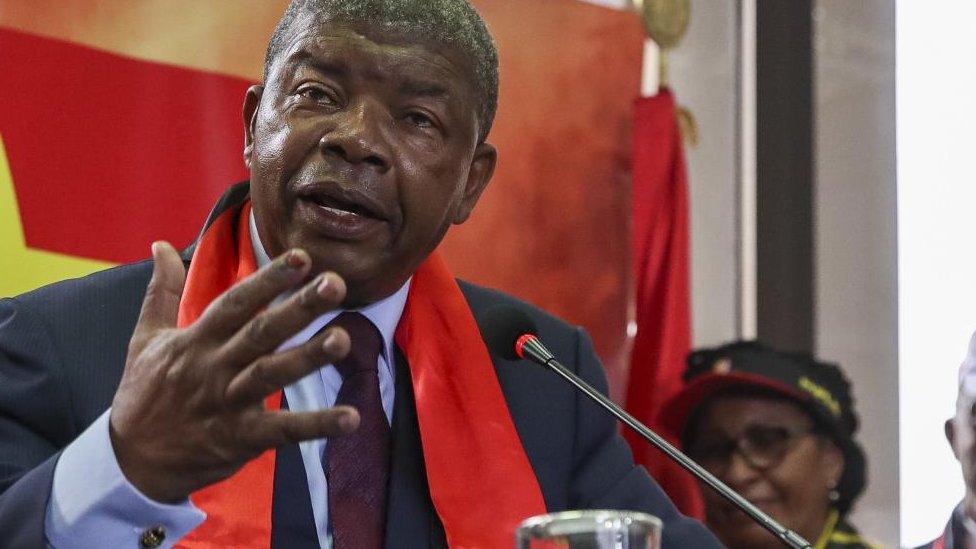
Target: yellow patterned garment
{"x":838,"y":534}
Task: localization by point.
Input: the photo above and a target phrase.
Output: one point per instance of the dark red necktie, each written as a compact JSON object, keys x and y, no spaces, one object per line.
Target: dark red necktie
{"x":358,"y":467}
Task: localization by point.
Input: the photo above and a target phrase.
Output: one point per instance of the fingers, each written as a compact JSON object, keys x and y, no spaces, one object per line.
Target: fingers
{"x":271,"y":429}
{"x":237,"y":305}
{"x":269,"y":329}
{"x":161,"y":304}
{"x":273,"y":372}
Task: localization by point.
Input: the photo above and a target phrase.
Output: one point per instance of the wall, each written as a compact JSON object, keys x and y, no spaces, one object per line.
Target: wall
{"x":552,"y":227}
{"x":936,"y":294}
{"x":855,"y":238}
{"x":703,"y":76}
{"x":855,"y":246}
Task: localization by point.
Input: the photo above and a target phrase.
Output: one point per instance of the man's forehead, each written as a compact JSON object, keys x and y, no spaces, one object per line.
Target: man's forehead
{"x":967,"y":373}
{"x":413,"y":68}
{"x":967,"y":388}
{"x":322,"y":37}
{"x":333,"y":53}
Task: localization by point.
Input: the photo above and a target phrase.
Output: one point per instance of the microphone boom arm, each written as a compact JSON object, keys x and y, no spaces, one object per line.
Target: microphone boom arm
{"x":531,"y":347}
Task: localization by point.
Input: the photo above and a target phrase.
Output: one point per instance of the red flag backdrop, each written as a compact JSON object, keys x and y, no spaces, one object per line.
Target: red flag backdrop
{"x":661,"y":269}
{"x":98,"y":142}
{"x":121,"y":123}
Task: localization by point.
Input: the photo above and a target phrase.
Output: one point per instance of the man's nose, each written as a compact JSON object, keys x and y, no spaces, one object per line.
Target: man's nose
{"x":358,"y":137}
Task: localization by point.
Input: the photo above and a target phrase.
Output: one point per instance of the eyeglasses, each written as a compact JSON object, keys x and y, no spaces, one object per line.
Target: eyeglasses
{"x":762,"y":446}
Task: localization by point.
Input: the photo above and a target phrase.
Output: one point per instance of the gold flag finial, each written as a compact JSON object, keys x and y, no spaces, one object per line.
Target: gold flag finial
{"x":666,"y":22}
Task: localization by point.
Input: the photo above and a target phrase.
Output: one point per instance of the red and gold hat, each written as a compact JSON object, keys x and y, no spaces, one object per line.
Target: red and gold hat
{"x":819,"y":388}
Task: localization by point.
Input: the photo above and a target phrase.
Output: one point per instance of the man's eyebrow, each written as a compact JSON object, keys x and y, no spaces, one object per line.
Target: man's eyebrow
{"x":302,"y":58}
{"x":424,"y":88}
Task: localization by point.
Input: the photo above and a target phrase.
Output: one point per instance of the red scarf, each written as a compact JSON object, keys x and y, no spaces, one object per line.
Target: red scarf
{"x":480,"y":479}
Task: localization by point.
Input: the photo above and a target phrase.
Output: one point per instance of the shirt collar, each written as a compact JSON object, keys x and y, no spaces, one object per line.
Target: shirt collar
{"x":384,"y":314}
{"x":260,"y":256}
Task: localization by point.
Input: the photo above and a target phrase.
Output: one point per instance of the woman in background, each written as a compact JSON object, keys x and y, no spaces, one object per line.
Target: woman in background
{"x":779,"y":429}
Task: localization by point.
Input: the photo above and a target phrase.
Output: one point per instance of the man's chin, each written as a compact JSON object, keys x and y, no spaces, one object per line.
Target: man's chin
{"x":353,"y":261}
{"x":364,"y":284}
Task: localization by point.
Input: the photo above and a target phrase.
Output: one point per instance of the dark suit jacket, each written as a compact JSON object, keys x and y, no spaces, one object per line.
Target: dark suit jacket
{"x":954,"y":535}
{"x":63,"y":347}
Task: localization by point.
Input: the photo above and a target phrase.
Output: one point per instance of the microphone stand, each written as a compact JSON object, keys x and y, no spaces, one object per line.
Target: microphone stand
{"x":530,"y":347}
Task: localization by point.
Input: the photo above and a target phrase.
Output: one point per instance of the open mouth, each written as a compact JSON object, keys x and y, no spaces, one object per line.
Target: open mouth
{"x":340,"y":213}
{"x":341,"y":207}
{"x":342,"y":203}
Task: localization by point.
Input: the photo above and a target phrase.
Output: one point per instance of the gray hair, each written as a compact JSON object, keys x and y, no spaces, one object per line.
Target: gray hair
{"x":453,"y":23}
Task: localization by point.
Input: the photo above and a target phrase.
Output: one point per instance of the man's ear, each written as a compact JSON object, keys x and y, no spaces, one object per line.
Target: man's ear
{"x":950,"y":433}
{"x":482,"y":168}
{"x":251,"y":103}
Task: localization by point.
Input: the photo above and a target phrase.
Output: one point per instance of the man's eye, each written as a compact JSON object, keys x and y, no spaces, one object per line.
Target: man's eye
{"x":419,"y":119}
{"x":315,"y":93}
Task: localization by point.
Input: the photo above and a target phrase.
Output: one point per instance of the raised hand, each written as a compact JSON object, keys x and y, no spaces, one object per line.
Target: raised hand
{"x":189,"y":410}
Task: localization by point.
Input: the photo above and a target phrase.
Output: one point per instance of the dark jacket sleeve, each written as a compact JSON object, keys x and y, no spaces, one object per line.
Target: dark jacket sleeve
{"x":35,"y":422}
{"x":604,"y":473}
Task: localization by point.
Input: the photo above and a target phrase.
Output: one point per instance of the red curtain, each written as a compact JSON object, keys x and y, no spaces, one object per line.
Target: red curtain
{"x":662,"y":274}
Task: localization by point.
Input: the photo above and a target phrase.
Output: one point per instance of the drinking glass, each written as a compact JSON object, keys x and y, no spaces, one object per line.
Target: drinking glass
{"x":590,"y":529}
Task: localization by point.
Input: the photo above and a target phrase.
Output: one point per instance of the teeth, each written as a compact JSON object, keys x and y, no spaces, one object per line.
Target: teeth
{"x":339,"y":212}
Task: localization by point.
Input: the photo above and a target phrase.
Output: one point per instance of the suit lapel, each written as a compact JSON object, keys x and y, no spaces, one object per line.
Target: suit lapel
{"x":292,"y":519}
{"x":233,"y":196}
{"x":411,"y":522}
{"x":411,"y":518}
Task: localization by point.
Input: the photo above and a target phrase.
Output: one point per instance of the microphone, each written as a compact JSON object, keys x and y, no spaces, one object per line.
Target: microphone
{"x":511,"y":334}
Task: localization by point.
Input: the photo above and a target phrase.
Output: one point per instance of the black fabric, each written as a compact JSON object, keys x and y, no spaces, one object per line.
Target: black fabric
{"x":292,"y":519}
{"x":23,"y":507}
{"x":417,"y":525}
{"x":62,"y":350}
{"x":826,"y":387}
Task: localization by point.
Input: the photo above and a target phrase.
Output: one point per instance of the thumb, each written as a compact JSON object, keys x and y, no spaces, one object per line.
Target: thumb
{"x":162,"y":302}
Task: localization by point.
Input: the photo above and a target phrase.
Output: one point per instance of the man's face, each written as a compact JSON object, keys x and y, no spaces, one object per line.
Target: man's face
{"x":961,"y":432}
{"x":363,"y":150}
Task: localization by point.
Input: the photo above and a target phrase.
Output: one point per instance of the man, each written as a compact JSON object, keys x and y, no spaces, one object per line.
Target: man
{"x":366,"y":142}
{"x":960,"y":430}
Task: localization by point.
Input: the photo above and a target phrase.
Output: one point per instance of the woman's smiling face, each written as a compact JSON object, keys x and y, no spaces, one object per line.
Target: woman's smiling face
{"x":789,"y":475}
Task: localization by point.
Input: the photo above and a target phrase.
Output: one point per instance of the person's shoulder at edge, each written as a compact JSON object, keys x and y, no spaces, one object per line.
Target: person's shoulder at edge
{"x":126,"y":284}
{"x":106,"y":286}
{"x":481,"y":299}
